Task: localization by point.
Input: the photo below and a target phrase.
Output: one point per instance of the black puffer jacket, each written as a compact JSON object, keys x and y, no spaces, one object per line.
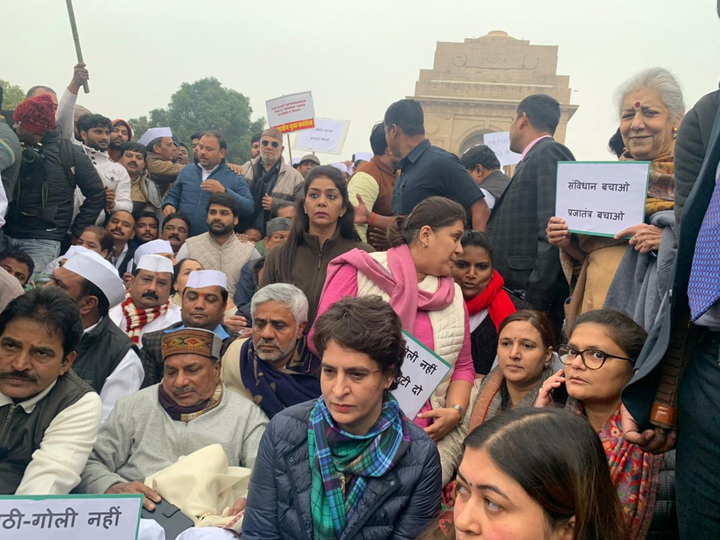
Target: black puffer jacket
{"x":398,"y":506}
{"x":44,"y":195}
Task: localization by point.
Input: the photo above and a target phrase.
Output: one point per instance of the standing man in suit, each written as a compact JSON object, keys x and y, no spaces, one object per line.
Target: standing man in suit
{"x":523,"y":255}
{"x":675,"y":396}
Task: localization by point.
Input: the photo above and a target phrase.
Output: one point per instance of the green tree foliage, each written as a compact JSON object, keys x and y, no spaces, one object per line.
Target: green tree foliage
{"x":12,"y":95}
{"x":202,"y":105}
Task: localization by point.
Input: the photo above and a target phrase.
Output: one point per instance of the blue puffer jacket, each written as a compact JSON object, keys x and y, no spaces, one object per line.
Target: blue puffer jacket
{"x":189,"y":198}
{"x":397,"y":506}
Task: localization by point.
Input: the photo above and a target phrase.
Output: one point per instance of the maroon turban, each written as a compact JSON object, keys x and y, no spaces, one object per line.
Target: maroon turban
{"x":37,"y":114}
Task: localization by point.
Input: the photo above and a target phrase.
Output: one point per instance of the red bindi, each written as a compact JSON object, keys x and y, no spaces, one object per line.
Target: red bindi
{"x":637,"y":104}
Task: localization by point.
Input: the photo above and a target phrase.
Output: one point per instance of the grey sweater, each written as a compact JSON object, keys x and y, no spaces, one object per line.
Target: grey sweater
{"x":139,"y":438}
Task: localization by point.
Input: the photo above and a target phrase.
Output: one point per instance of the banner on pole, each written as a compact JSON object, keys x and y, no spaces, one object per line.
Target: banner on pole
{"x":291,"y":113}
{"x":328,"y":136}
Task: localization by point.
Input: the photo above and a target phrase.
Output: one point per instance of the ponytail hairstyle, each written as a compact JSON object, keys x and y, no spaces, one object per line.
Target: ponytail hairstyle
{"x":435,"y":212}
{"x":301,"y":223}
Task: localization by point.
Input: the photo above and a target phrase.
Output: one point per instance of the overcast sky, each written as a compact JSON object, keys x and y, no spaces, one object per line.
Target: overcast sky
{"x":356,"y":57}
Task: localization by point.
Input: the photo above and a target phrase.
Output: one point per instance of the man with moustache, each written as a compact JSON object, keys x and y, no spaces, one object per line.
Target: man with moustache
{"x":219,"y":248}
{"x":120,"y":134}
{"x":144,"y":193}
{"x":147,"y":228}
{"x":50,"y":416}
{"x":176,"y":229}
{"x":122,"y":228}
{"x":274,"y":368}
{"x":204,"y":303}
{"x":147,"y":305}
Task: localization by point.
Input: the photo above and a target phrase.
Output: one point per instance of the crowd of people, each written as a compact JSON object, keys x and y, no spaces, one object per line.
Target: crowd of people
{"x":178,"y":326}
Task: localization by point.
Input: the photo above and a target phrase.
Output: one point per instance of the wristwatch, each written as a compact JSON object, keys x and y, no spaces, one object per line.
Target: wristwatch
{"x":459,"y":409}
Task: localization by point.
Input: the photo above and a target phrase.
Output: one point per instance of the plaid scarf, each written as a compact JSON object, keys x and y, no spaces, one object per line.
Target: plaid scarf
{"x":136,"y":318}
{"x":341,"y":463}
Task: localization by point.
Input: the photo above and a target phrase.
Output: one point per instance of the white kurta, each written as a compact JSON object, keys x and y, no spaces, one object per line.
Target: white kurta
{"x":171,"y":316}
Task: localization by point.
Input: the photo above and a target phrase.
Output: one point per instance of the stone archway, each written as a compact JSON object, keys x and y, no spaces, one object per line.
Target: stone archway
{"x":474,"y":139}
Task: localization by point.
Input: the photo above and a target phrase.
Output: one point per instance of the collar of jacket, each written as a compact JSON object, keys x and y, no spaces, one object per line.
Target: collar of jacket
{"x":313,"y":242}
{"x":281,"y":161}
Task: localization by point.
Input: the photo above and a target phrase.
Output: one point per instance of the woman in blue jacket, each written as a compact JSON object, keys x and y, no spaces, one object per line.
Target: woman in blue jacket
{"x":349,"y":464}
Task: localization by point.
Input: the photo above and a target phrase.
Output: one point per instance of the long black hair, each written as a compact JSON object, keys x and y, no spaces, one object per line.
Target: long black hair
{"x":301,"y":223}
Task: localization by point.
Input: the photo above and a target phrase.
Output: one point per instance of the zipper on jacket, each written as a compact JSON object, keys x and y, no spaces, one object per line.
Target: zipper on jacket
{"x":6,"y":422}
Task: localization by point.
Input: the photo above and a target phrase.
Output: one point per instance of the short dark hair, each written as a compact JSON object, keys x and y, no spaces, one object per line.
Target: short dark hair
{"x":155,"y":142}
{"x":628,"y":334}
{"x":408,"y":115}
{"x":480,"y":155}
{"x":479,"y":239}
{"x":196,"y":135}
{"x":616,"y":144}
{"x":537,"y":320}
{"x":542,"y":111}
{"x":147,"y":214}
{"x":50,"y":307}
{"x":259,"y":265}
{"x":134,"y":147}
{"x":90,"y":289}
{"x":222,"y":141}
{"x":19,"y":256}
{"x":33,"y":89}
{"x":223,"y":199}
{"x":366,"y":325}
{"x":378,"y":142}
{"x":178,"y":215}
{"x":256,"y":138}
{"x":92,"y":120}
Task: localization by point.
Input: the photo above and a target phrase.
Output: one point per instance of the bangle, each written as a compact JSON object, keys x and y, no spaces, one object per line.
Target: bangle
{"x":459,"y":409}
{"x":372,"y":219}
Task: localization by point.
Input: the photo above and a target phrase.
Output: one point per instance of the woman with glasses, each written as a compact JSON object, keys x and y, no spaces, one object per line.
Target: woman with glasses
{"x":524,"y":350}
{"x":599,"y":361}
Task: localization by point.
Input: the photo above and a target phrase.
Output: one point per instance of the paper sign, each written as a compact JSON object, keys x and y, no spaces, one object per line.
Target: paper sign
{"x":291,"y":113}
{"x":70,"y":517}
{"x":422,"y":372}
{"x":328,"y":137}
{"x":601,"y":198}
{"x":500,"y":144}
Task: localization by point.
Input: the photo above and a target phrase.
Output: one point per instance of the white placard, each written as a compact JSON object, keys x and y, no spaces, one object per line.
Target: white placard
{"x":70,"y":517}
{"x":500,"y":144}
{"x":422,"y":372}
{"x":601,"y":198}
{"x":328,"y":136}
{"x":291,"y":113}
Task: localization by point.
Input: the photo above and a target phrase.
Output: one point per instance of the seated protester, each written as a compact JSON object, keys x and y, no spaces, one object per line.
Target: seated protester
{"x":251,"y":234}
{"x":204,"y":302}
{"x":191,"y":409}
{"x":487,"y":301}
{"x":9,"y":288}
{"x":18,"y":264}
{"x":274,"y":367}
{"x":285,"y":209}
{"x":524,"y":350}
{"x":93,"y":238}
{"x":277,"y":231}
{"x":153,"y":247}
{"x":323,"y":231}
{"x":50,"y":416}
{"x":106,"y":358}
{"x":176,"y":229}
{"x":249,"y":282}
{"x":350,"y":463}
{"x":181,"y":272}
{"x":535,"y":475}
{"x":147,"y":307}
{"x":122,"y":228}
{"x":599,"y":360}
{"x":219,"y":248}
{"x":147,"y":227}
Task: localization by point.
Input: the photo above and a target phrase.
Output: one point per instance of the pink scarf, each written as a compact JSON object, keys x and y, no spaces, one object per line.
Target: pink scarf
{"x":401,"y":283}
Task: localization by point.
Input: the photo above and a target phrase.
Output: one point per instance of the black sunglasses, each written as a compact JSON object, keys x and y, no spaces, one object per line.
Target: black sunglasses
{"x":274,"y":144}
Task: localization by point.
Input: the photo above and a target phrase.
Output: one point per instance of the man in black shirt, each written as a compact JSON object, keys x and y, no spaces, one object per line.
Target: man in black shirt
{"x":426,"y":169}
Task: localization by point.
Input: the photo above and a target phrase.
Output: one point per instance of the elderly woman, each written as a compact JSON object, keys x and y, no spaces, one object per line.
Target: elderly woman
{"x":524,"y":350}
{"x":599,"y":361}
{"x":650,"y":106}
{"x":414,"y":277}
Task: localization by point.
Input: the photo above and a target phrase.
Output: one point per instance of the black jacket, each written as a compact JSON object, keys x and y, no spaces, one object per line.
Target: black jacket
{"x":44,"y":195}
{"x":522,"y":255}
{"x":399,"y":505}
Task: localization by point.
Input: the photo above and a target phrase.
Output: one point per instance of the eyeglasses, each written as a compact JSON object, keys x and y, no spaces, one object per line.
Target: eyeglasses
{"x":274,"y":144}
{"x":591,"y":358}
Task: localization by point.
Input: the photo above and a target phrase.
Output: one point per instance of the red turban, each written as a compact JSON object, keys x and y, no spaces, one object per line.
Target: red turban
{"x":37,"y":114}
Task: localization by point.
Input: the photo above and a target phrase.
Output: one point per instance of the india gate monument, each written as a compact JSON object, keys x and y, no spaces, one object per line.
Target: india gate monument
{"x":475,"y":87}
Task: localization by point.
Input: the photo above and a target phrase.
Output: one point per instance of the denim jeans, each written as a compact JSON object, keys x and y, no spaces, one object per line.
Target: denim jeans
{"x":40,"y":250}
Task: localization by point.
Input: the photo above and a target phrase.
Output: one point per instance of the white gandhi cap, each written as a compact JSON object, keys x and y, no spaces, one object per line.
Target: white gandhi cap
{"x":152,"y":247}
{"x":206,"y":278}
{"x":100,"y":273}
{"x":155,"y":263}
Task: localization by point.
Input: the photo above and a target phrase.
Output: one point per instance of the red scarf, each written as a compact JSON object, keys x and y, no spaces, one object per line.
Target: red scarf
{"x":495,"y":299}
{"x":136,"y":318}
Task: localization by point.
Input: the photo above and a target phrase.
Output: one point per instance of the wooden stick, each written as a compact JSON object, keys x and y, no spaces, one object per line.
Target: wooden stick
{"x":76,"y":39}
{"x":289,"y":149}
